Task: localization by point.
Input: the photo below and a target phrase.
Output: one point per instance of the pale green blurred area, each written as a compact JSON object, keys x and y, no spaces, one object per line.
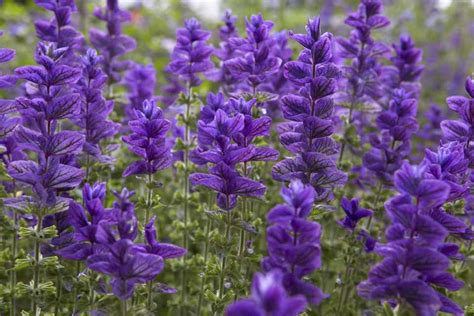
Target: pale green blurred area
{"x":445,"y":34}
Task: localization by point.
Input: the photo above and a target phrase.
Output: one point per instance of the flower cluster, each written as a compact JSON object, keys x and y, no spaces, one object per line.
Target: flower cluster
{"x":225,"y":134}
{"x":416,"y":258}
{"x":93,"y":117}
{"x":461,"y":130}
{"x":112,"y":44}
{"x":362,"y":88}
{"x":293,"y":241}
{"x":148,"y":140}
{"x":269,"y":298}
{"x":51,"y":100}
{"x":140,"y":81}
{"x":59,"y":30}
{"x":256,"y":63}
{"x":8,"y":124}
{"x":191,"y":55}
{"x":398,"y":122}
{"x":308,"y":136}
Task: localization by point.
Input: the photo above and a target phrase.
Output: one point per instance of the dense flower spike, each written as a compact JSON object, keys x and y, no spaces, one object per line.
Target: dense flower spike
{"x":461,"y":130}
{"x":257,"y":62}
{"x":59,"y":30}
{"x":362,"y":88}
{"x":140,"y":81}
{"x":112,"y":44}
{"x":397,"y":122}
{"x":7,"y":125}
{"x":127,"y":263}
{"x":269,"y":298}
{"x":293,"y":241}
{"x":414,"y":260}
{"x":226,"y":131}
{"x":52,"y":101}
{"x":191,"y":55}
{"x":93,"y":117}
{"x":148,"y":140}
{"x":308,"y":136}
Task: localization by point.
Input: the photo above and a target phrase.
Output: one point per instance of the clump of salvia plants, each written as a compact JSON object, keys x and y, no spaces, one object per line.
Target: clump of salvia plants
{"x":261,"y":171}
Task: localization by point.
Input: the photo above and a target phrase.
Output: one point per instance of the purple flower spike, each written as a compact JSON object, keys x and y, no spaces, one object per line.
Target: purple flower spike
{"x":112,"y":44}
{"x":257,"y":62}
{"x":59,"y":30}
{"x":308,"y":135}
{"x":191,"y":55}
{"x":140,"y":81}
{"x":269,"y":298}
{"x":293,"y":241}
{"x":415,"y":256}
{"x":148,"y":140}
{"x":354,"y":213}
{"x":93,"y":117}
{"x":41,"y":112}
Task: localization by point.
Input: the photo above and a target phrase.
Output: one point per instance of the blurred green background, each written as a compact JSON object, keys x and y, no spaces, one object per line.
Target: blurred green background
{"x":443,"y":28}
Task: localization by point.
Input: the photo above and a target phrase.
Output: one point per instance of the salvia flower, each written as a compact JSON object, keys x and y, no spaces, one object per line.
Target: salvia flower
{"x":120,"y":258}
{"x":148,"y":140}
{"x":293,"y":241}
{"x":140,"y":81}
{"x":7,"y":123}
{"x":269,"y":298}
{"x":308,"y":135}
{"x":415,"y":258}
{"x":85,"y":222}
{"x":362,"y":88}
{"x":51,"y":102}
{"x":93,"y":118}
{"x":59,"y":29}
{"x":461,"y":130}
{"x":112,"y":44}
{"x":191,"y":55}
{"x":354,"y":213}
{"x":257,"y":62}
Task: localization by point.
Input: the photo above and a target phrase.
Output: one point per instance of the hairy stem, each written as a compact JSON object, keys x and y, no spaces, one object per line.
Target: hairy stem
{"x":206,"y":253}
{"x":12,"y":271}
{"x":186,"y":192}
{"x":36,"y":270}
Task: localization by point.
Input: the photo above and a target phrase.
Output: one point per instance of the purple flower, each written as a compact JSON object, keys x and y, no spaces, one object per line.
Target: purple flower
{"x":148,"y":140}
{"x":256,"y":63}
{"x":85,"y":223}
{"x":228,"y":184}
{"x":354,"y":213}
{"x":58,"y":29}
{"x":51,"y":101}
{"x":126,"y":266}
{"x":191,"y":55}
{"x":140,"y":81}
{"x":269,"y":298}
{"x":413,"y":261}
{"x":308,"y":136}
{"x":93,"y":117}
{"x":461,"y":130}
{"x":112,"y":44}
{"x":293,"y":241}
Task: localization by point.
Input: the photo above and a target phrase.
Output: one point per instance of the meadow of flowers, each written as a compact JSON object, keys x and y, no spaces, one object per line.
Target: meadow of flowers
{"x":259,"y":171}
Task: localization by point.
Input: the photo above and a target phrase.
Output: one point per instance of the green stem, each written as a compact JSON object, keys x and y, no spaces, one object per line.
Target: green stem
{"x":148,"y":198}
{"x":186,"y":192}
{"x":377,"y":199}
{"x":224,"y":257}
{"x":150,"y":295}
{"x":206,"y":253}
{"x":36,"y":270}
{"x":58,"y":294}
{"x":76,"y":286}
{"x":13,"y":271}
{"x":123,"y":307}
